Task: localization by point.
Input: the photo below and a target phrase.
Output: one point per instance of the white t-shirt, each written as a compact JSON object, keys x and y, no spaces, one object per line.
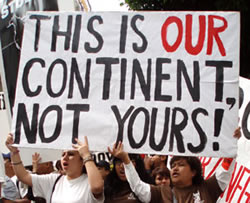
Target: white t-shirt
{"x":22,"y":189}
{"x":73,"y":191}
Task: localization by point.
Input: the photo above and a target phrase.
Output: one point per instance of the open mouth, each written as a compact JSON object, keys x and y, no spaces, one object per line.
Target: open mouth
{"x":65,"y":164}
{"x":175,"y":174}
{"x":122,"y":174}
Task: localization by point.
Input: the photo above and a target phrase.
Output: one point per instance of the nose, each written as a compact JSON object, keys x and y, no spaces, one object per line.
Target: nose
{"x":164,"y":180}
{"x":174,"y":168}
{"x":65,"y":155}
{"x":121,"y":166}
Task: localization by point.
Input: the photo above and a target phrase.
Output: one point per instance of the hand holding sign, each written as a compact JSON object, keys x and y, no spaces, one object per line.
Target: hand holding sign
{"x":237,"y":133}
{"x":82,"y":147}
{"x":35,"y":161}
{"x":9,"y":142}
{"x":117,"y":151}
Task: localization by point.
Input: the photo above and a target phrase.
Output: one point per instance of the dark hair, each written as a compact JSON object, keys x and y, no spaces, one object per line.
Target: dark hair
{"x":162,"y":171}
{"x":195,"y":165}
{"x":103,"y":164}
{"x":140,"y":168}
{"x":113,"y":184}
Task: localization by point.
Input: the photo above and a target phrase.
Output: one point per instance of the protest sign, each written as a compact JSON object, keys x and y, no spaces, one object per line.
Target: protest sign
{"x":161,"y":82}
{"x":12,"y":13}
{"x":99,"y":156}
{"x":237,"y":190}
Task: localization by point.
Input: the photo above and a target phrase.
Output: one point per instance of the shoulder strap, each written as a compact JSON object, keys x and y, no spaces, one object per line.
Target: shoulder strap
{"x":18,"y":189}
{"x":54,"y":186}
{"x":17,"y":184}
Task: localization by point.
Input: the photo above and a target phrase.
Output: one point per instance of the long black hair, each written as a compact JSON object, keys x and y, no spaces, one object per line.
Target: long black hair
{"x":113,"y":184}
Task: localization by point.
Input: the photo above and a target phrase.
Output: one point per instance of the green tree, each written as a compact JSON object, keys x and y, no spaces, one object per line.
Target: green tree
{"x":243,"y":6}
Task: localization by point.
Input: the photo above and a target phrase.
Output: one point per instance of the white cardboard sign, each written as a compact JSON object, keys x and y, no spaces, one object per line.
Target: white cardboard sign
{"x":238,"y":187}
{"x":161,"y":82}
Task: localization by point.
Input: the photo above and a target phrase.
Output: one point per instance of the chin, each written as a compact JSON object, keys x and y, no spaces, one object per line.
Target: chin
{"x":124,"y":179}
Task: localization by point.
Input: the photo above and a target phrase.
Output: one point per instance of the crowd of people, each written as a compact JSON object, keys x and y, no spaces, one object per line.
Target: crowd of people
{"x":129,"y":178}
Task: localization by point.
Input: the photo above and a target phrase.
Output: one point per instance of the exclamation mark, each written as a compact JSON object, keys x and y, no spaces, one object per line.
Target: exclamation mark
{"x":218,"y":116}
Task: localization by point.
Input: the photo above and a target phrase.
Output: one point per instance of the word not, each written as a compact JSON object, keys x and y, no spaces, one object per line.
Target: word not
{"x":36,"y":126}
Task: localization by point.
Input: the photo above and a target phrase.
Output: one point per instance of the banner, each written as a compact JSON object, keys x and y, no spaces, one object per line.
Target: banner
{"x":161,"y":82}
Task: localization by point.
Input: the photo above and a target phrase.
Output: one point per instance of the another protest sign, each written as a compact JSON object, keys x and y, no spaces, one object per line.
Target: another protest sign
{"x":12,"y":14}
{"x":99,"y":156}
{"x":237,"y":190}
{"x":161,"y":82}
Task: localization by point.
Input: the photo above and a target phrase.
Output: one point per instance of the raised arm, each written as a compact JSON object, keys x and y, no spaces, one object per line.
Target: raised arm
{"x":141,"y":189}
{"x":22,"y":174}
{"x":94,"y":177}
{"x":224,"y":172}
{"x":35,"y":161}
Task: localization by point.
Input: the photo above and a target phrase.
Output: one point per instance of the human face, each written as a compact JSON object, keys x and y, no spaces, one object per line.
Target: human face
{"x":119,"y":168}
{"x":181,"y":173}
{"x":72,"y":163}
{"x":162,"y":180}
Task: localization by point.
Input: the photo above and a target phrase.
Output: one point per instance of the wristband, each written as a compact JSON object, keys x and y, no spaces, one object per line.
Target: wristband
{"x":88,"y":158}
{"x":16,"y":163}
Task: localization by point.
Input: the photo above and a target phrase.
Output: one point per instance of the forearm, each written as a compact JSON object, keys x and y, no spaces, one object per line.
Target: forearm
{"x":141,"y":189}
{"x":21,"y":173}
{"x":95,"y":179}
{"x":223,"y":174}
{"x":34,"y":167}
